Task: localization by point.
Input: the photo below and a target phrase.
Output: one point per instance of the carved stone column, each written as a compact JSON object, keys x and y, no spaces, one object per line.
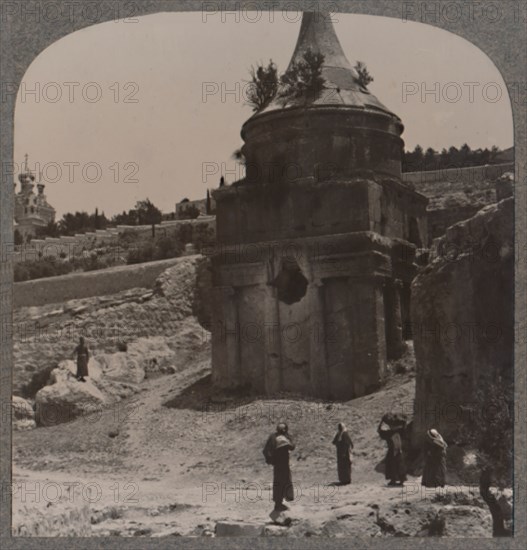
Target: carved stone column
{"x":320,"y":332}
{"x":405,"y":310}
{"x":225,"y":337}
{"x":393,"y":321}
{"x":273,"y":353}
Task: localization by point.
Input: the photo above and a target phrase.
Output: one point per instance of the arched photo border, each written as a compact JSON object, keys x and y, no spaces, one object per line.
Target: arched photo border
{"x":25,"y":33}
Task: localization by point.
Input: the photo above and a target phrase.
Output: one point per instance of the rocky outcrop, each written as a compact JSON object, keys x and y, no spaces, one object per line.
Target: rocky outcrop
{"x":23,"y":415}
{"x":111,"y":377}
{"x":66,"y":398}
{"x":120,"y":366}
{"x":463,"y":319}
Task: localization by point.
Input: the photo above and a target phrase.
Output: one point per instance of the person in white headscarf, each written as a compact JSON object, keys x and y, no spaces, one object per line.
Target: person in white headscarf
{"x":434,"y":473}
{"x":344,"y":445}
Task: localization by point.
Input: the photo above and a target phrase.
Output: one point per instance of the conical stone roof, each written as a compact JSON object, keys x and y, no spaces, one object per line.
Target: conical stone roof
{"x":342,"y":86}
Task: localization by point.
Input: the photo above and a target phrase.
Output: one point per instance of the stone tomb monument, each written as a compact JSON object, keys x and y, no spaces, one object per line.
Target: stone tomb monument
{"x":316,"y":246}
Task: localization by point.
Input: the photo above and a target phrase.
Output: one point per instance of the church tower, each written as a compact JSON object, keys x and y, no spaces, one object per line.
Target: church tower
{"x":31,"y":209}
{"x":316,"y":245}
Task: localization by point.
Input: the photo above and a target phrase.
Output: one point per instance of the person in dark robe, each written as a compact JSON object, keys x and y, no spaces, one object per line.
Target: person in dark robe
{"x":344,"y":445}
{"x":434,"y":473}
{"x":83,"y":355}
{"x":276,"y":452}
{"x":395,"y":469}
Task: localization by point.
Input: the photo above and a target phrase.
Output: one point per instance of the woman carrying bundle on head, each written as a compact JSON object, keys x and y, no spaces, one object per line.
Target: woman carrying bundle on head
{"x":391,"y":429}
{"x":434,"y":473}
{"x":276,"y":453}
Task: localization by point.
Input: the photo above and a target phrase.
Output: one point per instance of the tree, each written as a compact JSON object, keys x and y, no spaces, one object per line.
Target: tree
{"x":190,"y":213}
{"x":303,"y":79}
{"x":494,"y":153}
{"x":126,"y":218}
{"x":19,"y":239}
{"x":429,"y":159}
{"x":485,"y":156}
{"x":263,"y":86}
{"x":490,"y":429}
{"x":465,"y":154}
{"x":75,"y":223}
{"x":239,"y":157}
{"x":453,"y":154}
{"x":364,"y":76}
{"x":207,"y":204}
{"x":414,"y":160}
{"x":50,"y":230}
{"x":147,"y":213}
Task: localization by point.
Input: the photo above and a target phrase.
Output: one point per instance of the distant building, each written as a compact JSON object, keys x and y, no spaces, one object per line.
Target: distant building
{"x":31,"y":209}
{"x":185,"y":205}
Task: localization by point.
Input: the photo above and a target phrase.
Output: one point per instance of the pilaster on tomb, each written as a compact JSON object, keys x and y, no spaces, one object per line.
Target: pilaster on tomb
{"x":395,"y":345}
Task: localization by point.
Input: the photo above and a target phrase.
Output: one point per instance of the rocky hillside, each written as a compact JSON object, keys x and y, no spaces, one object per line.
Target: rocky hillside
{"x":463,"y":319}
{"x":46,"y":335}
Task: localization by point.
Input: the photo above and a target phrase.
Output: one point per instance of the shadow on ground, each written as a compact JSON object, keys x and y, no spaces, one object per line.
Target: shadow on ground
{"x":202,"y":394}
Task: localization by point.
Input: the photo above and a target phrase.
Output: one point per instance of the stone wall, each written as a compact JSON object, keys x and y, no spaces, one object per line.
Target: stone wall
{"x":463,"y":317}
{"x":69,"y":247}
{"x":456,"y":194}
{"x":91,"y":283}
{"x":460,"y":176}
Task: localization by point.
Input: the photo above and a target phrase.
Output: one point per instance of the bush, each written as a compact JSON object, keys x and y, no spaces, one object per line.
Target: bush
{"x":47,"y":266}
{"x":264,"y":85}
{"x":161,"y":248}
{"x":166,"y":247}
{"x":190,"y":213}
{"x":303,"y":79}
{"x":490,"y":430}
{"x":140,"y":254}
{"x":126,"y":238}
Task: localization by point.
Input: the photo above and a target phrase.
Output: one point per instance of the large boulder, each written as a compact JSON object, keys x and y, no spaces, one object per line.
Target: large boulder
{"x":121,"y":367}
{"x":111,"y":377}
{"x":67,"y":399}
{"x":67,"y":370}
{"x":463,"y":319}
{"x":23,"y":415}
{"x":151,"y":354}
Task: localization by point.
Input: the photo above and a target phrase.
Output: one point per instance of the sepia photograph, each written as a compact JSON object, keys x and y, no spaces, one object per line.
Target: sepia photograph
{"x":263,"y":273}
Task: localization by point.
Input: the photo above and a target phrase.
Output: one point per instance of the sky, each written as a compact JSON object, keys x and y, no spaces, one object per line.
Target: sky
{"x":118,"y":112}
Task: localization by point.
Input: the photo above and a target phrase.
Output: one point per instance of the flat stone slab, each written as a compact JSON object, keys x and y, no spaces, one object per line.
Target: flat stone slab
{"x":238,"y":529}
{"x":281,"y":518}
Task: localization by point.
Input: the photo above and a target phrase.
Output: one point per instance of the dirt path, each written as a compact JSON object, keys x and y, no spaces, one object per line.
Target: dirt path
{"x":145,"y":468}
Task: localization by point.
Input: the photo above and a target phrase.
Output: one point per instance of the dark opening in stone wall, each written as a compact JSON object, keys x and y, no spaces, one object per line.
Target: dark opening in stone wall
{"x":290,"y":283}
